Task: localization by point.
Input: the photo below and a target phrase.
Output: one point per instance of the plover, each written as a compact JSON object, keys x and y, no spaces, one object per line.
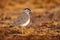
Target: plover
{"x":23,"y":19}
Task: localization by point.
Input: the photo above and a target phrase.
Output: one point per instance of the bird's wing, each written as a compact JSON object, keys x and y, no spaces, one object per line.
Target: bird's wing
{"x":21,"y":19}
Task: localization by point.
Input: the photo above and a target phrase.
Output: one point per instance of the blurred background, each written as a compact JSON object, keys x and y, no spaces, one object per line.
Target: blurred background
{"x":45,"y":20}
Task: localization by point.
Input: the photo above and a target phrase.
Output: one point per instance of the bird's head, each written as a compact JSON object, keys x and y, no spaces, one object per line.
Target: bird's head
{"x":27,"y":10}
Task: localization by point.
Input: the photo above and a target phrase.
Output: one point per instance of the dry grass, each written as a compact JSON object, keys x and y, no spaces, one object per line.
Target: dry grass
{"x":45,"y":20}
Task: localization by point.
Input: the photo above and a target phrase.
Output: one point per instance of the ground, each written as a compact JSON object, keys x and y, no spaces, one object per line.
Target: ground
{"x":44,"y":24}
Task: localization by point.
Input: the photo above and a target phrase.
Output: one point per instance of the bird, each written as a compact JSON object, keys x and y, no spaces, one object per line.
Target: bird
{"x":23,"y":19}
